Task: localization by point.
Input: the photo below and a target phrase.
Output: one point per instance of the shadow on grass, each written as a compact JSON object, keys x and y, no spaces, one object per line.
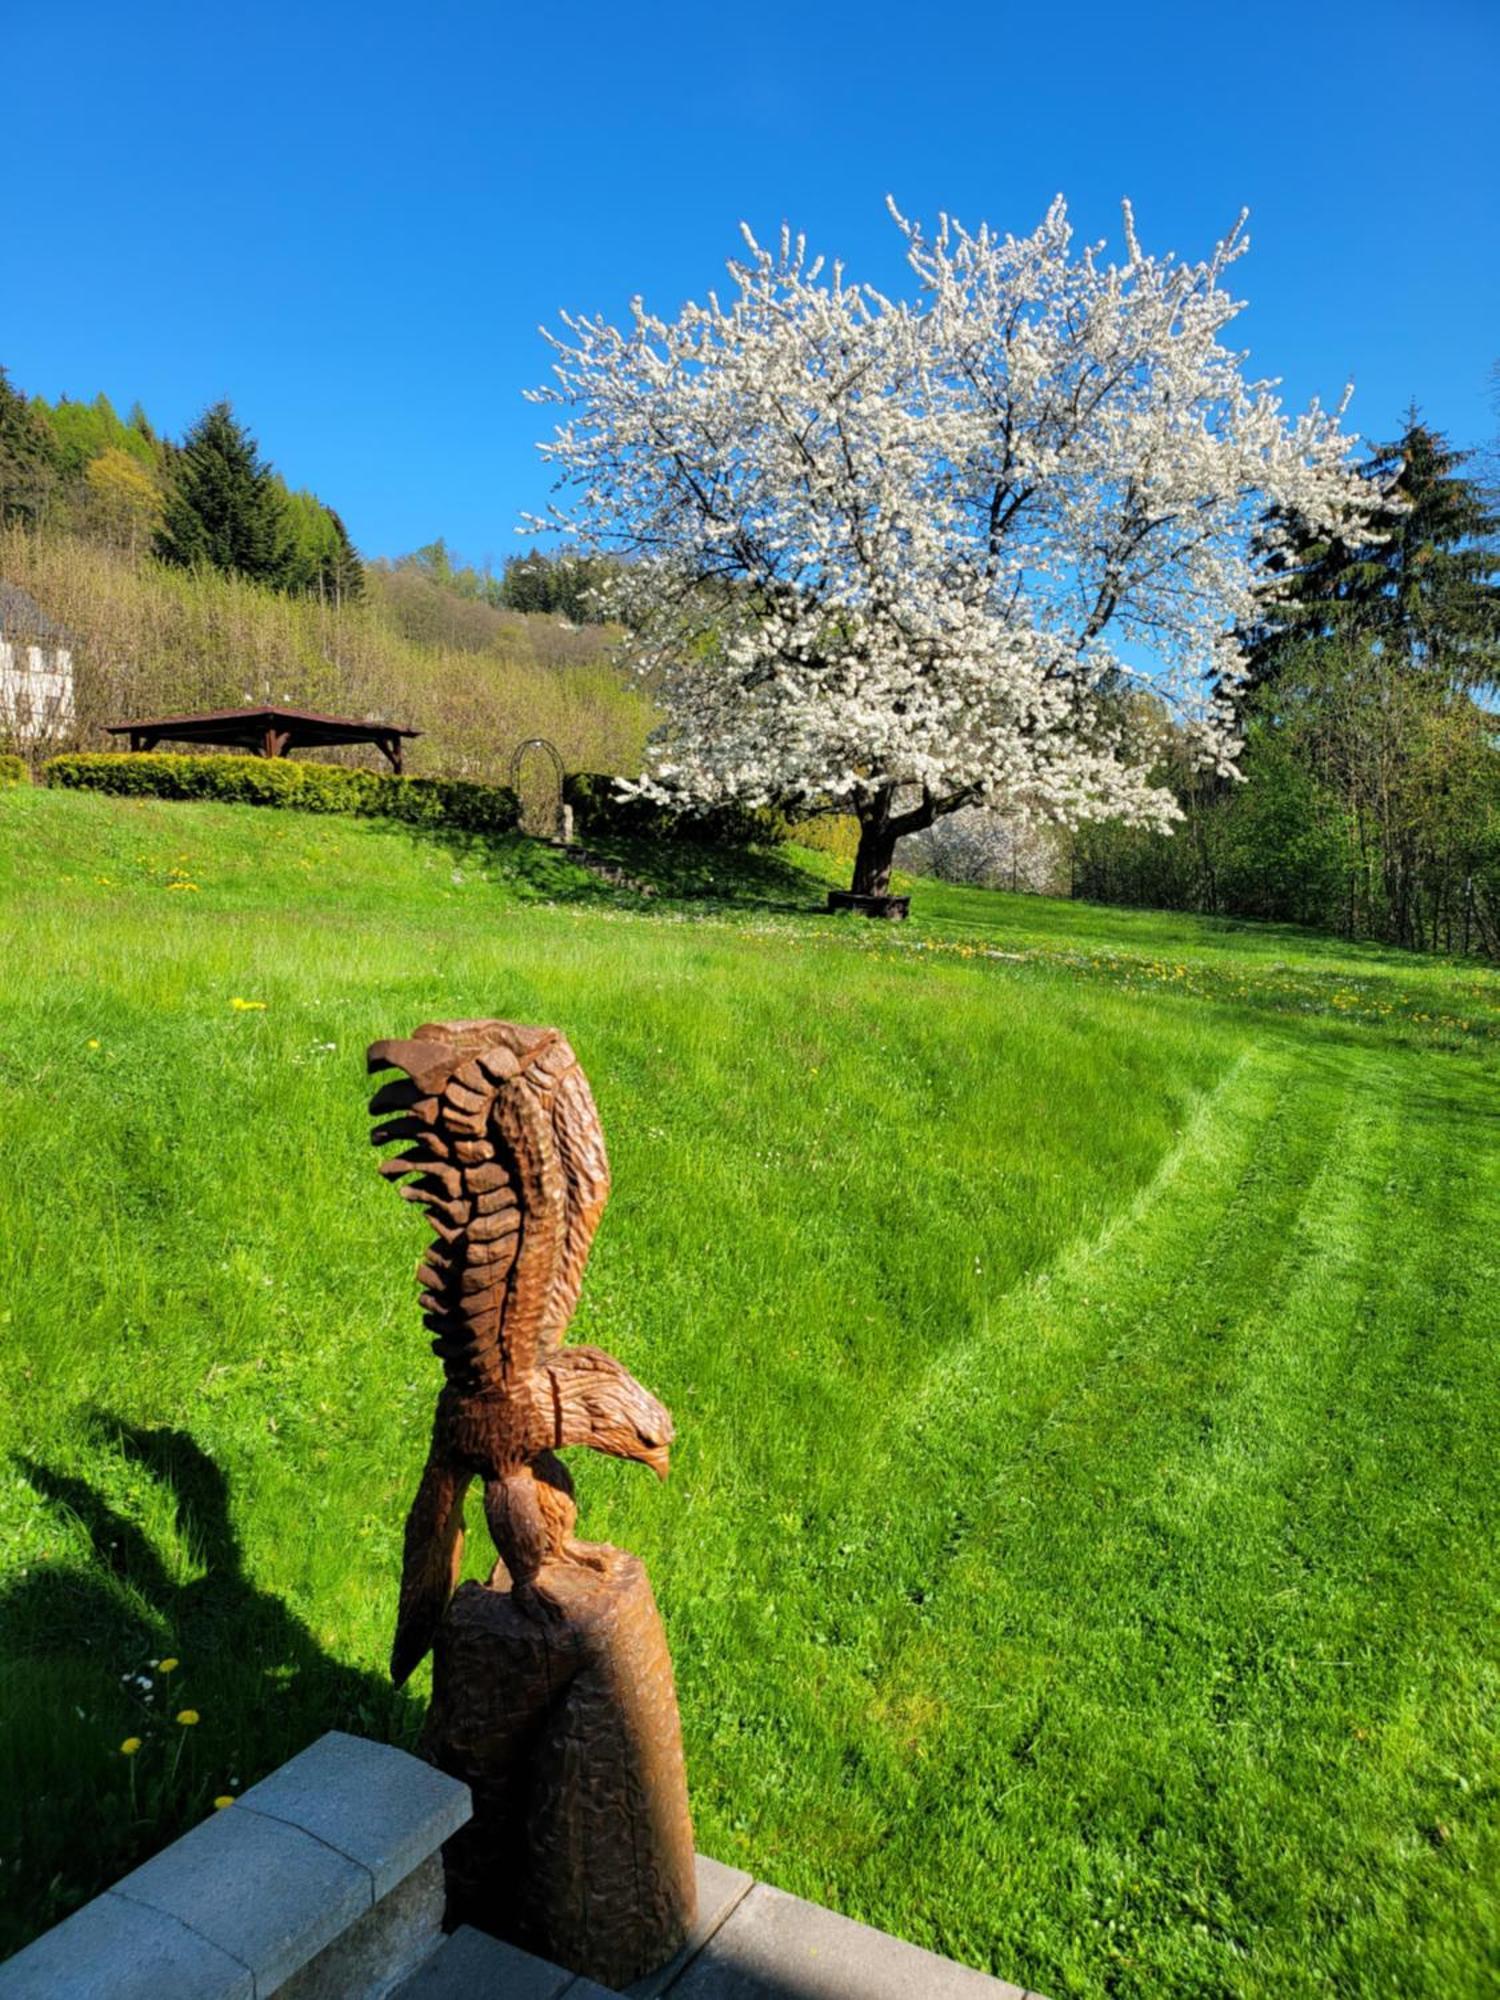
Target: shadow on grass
{"x":632,"y":874}
{"x":76,"y":1641}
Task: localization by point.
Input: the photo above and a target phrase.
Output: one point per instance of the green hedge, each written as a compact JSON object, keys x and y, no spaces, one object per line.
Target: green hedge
{"x":282,"y":781}
{"x":13,"y":770}
{"x":599,"y":812}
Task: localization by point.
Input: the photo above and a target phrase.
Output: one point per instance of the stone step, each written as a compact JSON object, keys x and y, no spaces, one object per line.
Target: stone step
{"x":470,"y":1966}
{"x":750,"y":1942}
{"x":774,"y":1946}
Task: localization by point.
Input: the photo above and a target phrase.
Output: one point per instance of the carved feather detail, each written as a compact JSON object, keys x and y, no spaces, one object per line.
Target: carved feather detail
{"x":500,"y":1143}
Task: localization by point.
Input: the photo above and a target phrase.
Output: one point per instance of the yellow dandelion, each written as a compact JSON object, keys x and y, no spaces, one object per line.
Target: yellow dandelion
{"x":93,"y":1044}
{"x":248,"y":1006}
{"x":224,"y":1799}
{"x":129,"y":1747}
{"x":187,"y":1717}
{"x":166,"y":1666}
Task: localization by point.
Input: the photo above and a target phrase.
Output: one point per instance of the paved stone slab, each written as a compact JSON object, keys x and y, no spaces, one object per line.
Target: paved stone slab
{"x":472,"y":1966}
{"x":265,"y":1892}
{"x":377,"y":1805}
{"x":720,"y":1890}
{"x":114,"y":1950}
{"x":775,"y":1947}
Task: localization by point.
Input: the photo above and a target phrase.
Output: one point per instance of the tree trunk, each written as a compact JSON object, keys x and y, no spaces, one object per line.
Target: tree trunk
{"x":877,"y":845}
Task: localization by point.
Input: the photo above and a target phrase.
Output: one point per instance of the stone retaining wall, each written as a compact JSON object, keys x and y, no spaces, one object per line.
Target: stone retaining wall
{"x":325,"y":1882}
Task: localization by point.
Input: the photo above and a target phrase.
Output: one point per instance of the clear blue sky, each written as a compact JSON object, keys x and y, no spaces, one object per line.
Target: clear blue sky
{"x":351,"y":220}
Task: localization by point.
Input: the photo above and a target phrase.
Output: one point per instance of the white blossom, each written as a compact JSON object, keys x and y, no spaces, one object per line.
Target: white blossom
{"x":920,"y":547}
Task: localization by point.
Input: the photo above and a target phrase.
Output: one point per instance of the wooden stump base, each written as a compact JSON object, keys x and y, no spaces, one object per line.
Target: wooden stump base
{"x":566,"y":1731}
{"x":895,"y":908}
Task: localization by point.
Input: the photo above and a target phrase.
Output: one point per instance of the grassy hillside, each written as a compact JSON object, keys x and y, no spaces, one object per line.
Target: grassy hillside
{"x":151,"y":640}
{"x":1080,"y":1325}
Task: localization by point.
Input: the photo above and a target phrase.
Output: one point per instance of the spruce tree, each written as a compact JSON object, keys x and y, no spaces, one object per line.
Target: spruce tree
{"x":1439,"y":593}
{"x":1421,"y":583}
{"x":225,"y":509}
{"x":28,"y":467}
{"x":344,"y":574}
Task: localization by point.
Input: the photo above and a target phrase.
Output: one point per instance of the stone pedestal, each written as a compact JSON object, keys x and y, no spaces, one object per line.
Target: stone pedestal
{"x":566,"y":1731}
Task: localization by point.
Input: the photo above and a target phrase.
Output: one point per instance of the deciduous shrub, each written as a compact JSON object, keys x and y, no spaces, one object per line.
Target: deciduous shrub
{"x":13,"y":770}
{"x":829,"y":833}
{"x":601,"y":813}
{"x":277,"y":781}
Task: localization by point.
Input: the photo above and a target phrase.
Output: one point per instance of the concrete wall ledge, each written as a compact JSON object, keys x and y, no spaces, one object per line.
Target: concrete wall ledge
{"x":325,"y":1878}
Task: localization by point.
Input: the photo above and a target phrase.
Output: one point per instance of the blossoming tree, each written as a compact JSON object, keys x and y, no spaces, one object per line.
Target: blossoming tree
{"x":904,"y":556}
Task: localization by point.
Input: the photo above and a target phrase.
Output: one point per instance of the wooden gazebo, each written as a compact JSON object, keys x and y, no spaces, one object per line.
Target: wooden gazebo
{"x":266,"y":732}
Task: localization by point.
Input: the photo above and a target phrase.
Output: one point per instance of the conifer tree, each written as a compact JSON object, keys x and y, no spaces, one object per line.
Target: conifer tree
{"x":28,"y":467}
{"x":1420,"y":582}
{"x":226,"y":508}
{"x":1439,"y":591}
{"x":344,"y":573}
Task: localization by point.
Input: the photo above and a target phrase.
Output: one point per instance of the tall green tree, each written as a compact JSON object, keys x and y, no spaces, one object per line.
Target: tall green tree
{"x":28,"y":459}
{"x":1437,"y":604}
{"x":226,"y":508}
{"x":86,"y":430}
{"x":321,"y":561}
{"x":1421,"y":582}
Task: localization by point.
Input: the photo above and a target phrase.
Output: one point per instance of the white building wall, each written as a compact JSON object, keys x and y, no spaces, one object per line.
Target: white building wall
{"x":36,"y":691}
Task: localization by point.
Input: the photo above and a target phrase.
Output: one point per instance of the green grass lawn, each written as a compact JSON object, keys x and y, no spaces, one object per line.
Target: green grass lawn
{"x":1080,"y":1325}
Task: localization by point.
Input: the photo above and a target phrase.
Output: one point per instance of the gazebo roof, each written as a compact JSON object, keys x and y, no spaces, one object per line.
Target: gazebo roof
{"x":248,"y":725}
{"x":272,"y":732}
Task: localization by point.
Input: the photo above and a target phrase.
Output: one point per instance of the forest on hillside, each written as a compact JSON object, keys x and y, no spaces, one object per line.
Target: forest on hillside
{"x":190,"y":575}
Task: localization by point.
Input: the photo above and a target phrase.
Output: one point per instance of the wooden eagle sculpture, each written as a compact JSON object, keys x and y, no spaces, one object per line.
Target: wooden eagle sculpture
{"x":505,"y":1147}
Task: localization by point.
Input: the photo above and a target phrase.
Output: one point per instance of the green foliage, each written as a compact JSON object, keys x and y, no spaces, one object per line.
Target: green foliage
{"x":1420,"y":584}
{"x":424,"y":609}
{"x":1441,"y":568}
{"x":320,"y":560}
{"x":283,"y":781}
{"x":225,"y":510}
{"x":28,"y":457}
{"x":83,"y":431}
{"x":1277,"y":844}
{"x":126,"y":499}
{"x":567,"y":585}
{"x":1372,"y":767}
{"x":563,"y":585}
{"x":835,"y":834}
{"x":13,"y":770}
{"x":600,"y":813}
